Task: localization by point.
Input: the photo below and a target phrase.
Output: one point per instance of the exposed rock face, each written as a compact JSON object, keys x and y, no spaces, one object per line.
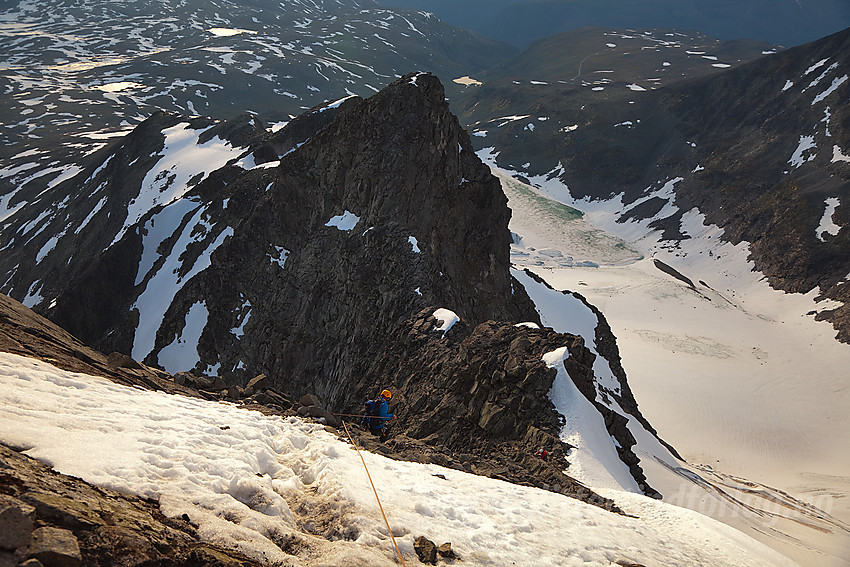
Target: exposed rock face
{"x":474,"y":399}
{"x":315,"y":301}
{"x":481,"y":396}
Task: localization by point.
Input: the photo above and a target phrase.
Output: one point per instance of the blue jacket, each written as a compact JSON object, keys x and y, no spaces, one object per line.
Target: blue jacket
{"x":385,"y":412}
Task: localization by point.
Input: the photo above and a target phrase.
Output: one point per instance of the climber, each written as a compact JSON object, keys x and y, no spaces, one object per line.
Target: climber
{"x":379,"y":410}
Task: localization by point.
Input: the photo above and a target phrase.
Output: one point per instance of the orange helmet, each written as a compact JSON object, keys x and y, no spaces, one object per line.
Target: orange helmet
{"x":387,"y":394}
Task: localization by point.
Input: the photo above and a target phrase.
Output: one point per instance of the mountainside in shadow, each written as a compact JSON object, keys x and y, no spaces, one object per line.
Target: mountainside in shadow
{"x":760,"y":149}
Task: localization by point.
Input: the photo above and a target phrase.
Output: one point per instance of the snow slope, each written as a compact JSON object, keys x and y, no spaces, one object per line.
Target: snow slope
{"x":251,"y":481}
{"x":735,"y":375}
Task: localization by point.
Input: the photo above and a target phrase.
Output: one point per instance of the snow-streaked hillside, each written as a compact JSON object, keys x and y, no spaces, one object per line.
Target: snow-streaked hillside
{"x":740,"y":378}
{"x":262,"y":483}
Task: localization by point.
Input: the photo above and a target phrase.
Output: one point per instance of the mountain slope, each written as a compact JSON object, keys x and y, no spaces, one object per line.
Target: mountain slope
{"x":319,"y":255}
{"x":283,"y":490}
{"x":759,"y":149}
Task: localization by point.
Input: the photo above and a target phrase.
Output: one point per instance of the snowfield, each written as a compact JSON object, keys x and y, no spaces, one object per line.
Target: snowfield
{"x":249,"y":481}
{"x":738,"y":377}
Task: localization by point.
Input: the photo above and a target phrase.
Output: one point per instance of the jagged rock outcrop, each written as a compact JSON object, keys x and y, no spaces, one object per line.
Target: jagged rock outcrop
{"x":315,"y":300}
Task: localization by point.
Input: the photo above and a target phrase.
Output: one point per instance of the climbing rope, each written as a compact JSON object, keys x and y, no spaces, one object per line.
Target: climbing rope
{"x":358,"y":415}
{"x":376,"y":493}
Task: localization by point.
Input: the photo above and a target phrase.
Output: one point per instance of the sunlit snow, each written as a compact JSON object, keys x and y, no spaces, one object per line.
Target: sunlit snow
{"x":246,"y":479}
{"x":446,"y":319}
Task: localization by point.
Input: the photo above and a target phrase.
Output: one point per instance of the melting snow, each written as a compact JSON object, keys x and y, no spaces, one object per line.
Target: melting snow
{"x":182,"y":354}
{"x":467,"y":81}
{"x":798,"y":158}
{"x":119,"y":86}
{"x":413,"y":243}
{"x":170,"y":277}
{"x":837,"y":155}
{"x":837,"y":82}
{"x":595,"y":461}
{"x":817,"y":65}
{"x":282,"y":255}
{"x":182,"y":160}
{"x":228,"y":32}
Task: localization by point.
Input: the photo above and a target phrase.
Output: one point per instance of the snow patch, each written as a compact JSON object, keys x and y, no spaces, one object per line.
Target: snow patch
{"x":171,"y":275}
{"x":183,"y":160}
{"x":799,"y":158}
{"x":413,"y":243}
{"x":838,"y":155}
{"x":837,"y":82}
{"x":182,"y":354}
{"x":446,"y":319}
{"x":344,"y":222}
{"x":280,"y":256}
{"x":229,"y":32}
{"x":827,"y":225}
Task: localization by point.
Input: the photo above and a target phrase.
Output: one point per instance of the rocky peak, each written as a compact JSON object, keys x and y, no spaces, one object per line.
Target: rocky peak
{"x":299,"y":255}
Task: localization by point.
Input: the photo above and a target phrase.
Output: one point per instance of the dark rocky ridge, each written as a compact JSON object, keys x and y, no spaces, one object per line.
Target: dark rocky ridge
{"x":493,"y":436}
{"x":401,"y":162}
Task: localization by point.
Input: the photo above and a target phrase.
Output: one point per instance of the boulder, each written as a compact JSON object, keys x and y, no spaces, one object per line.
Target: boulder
{"x":55,"y":547}
{"x":315,"y":411}
{"x":185,"y":379}
{"x":120,"y":360}
{"x":426,"y":550}
{"x":310,"y":400}
{"x":446,"y":551}
{"x":210,"y":383}
{"x":235,"y":392}
{"x":16,"y":522}
{"x":257,"y":384}
{"x":273,"y":398}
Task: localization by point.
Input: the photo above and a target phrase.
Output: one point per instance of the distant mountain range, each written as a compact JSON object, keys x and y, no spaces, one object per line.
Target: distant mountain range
{"x":74,"y":75}
{"x":519,"y":22}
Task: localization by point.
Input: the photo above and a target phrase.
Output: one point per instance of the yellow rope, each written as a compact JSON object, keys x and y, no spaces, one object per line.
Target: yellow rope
{"x":376,"y":493}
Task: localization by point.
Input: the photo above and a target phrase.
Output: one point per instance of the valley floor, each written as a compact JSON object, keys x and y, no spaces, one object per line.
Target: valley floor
{"x":735,"y":375}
